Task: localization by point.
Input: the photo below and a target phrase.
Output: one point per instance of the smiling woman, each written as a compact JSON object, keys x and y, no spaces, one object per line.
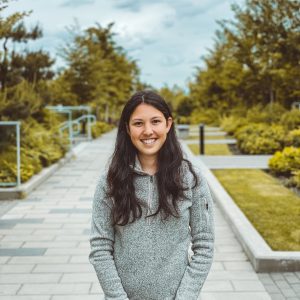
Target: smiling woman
{"x":136,"y":254}
{"x":148,"y":130}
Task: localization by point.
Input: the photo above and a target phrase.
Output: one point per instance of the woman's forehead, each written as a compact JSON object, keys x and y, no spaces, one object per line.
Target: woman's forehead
{"x":145,"y":111}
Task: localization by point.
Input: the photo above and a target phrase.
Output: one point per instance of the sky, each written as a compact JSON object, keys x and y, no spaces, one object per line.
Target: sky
{"x":167,"y":38}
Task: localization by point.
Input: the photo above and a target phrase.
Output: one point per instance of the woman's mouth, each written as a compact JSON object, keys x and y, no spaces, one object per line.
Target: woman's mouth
{"x":148,"y":141}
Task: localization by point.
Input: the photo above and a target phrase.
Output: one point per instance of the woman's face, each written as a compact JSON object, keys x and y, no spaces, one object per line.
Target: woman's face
{"x":148,"y":129}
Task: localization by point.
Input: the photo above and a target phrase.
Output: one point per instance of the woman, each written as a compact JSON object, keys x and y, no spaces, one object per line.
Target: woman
{"x":147,"y":207}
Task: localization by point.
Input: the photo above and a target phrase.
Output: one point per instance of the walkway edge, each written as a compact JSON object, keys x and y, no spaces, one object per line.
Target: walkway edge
{"x":262,"y":257}
{"x":25,"y":188}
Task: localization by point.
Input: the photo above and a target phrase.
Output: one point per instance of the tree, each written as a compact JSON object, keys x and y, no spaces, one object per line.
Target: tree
{"x":99,"y":72}
{"x":255,"y":59}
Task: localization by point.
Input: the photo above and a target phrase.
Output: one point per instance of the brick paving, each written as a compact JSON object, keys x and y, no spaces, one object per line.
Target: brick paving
{"x":44,"y":243}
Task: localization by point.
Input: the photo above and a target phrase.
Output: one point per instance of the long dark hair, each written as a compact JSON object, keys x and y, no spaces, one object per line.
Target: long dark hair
{"x":120,"y":177}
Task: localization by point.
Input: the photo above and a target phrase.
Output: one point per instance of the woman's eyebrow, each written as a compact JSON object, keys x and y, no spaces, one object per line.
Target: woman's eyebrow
{"x":137,"y":119}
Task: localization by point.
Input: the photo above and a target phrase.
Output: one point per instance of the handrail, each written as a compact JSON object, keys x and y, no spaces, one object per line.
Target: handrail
{"x":73,"y":132}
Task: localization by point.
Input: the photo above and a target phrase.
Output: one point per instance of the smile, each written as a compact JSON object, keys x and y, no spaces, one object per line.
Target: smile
{"x":149,"y":141}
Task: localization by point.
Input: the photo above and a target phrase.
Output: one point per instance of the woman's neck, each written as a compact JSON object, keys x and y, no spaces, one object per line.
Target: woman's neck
{"x":148,"y":164}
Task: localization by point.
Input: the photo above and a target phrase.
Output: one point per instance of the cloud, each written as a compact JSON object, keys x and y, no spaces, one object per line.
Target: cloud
{"x":77,"y":3}
{"x":171,"y":60}
{"x":132,"y":5}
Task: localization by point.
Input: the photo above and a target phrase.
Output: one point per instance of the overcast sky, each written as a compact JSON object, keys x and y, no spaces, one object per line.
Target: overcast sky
{"x":167,"y":38}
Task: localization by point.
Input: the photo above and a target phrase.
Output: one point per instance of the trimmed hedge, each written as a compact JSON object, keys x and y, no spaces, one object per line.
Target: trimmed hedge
{"x":260,"y":138}
{"x":287,"y":163}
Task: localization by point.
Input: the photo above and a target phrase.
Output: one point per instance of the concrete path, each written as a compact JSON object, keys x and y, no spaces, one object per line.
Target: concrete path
{"x":236,"y":161}
{"x":44,"y":243}
{"x":206,"y":141}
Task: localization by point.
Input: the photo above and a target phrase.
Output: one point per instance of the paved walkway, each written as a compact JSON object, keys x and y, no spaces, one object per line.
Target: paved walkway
{"x":44,"y":243}
{"x":236,"y":161}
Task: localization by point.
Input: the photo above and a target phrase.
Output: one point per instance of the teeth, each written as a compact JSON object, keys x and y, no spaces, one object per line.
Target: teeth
{"x":150,"y":141}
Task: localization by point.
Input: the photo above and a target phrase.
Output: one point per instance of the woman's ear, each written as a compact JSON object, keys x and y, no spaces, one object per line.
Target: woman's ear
{"x":169,"y":123}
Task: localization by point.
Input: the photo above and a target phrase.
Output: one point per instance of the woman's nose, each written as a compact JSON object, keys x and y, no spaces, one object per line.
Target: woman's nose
{"x":148,"y":129}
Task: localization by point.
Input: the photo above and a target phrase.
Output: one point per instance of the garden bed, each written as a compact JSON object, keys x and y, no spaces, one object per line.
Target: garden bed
{"x":272,"y":209}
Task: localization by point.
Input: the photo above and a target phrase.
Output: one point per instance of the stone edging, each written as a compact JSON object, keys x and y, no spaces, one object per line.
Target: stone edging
{"x":262,"y":257}
{"x":25,"y":188}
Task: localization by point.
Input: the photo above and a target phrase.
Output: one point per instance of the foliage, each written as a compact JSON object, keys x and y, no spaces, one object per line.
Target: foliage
{"x":207,"y":116}
{"x":40,"y":147}
{"x":260,"y":138}
{"x":14,"y":66}
{"x":293,"y":138}
{"x":98,"y":73}
{"x":255,"y":59}
{"x":100,"y":128}
{"x":271,"y":208}
{"x":291,"y":119}
{"x":285,"y":162}
{"x":232,"y":123}
{"x":271,"y":113}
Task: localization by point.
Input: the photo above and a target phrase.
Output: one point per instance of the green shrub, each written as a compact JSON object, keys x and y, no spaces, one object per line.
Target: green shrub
{"x":296,"y":179}
{"x":293,"y":138}
{"x":100,"y":128}
{"x":232,"y":123}
{"x":286,"y":162}
{"x":30,"y":164}
{"x":269,"y":114}
{"x":206,"y":116}
{"x":291,"y":119}
{"x":39,"y":148}
{"x":260,"y":138}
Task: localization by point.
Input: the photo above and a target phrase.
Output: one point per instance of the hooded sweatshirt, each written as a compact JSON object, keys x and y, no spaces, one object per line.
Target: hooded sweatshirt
{"x":149,"y":259}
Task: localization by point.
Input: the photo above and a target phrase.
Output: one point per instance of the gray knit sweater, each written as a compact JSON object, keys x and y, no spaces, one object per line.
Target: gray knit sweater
{"x":148,"y":259}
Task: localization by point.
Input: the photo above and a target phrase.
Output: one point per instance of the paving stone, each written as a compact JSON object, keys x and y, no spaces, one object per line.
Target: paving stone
{"x":63,"y":268}
{"x":29,"y":297}
{"x":291,"y":278}
{"x":85,"y":297}
{"x":50,"y":245}
{"x":79,"y":278}
{"x":29,"y":278}
{"x":51,"y":260}
{"x":277,"y":297}
{"x":9,"y":289}
{"x":16,"y":268}
{"x":248,"y":285}
{"x":22,"y":251}
{"x":16,"y":221}
{"x":272,"y":288}
{"x":55,"y":289}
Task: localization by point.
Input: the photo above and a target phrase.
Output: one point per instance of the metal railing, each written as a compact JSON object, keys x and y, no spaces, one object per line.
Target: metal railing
{"x":73,"y":132}
{"x":17,"y":124}
{"x":69,"y":125}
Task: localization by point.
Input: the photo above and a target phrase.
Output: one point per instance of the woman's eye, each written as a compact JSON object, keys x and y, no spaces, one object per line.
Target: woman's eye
{"x":137,"y":124}
{"x":156,"y":121}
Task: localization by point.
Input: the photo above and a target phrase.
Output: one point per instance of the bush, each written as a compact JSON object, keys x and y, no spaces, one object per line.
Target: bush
{"x":269,"y":114}
{"x":295,"y":181}
{"x":39,"y":148}
{"x":293,"y":138}
{"x":260,"y":138}
{"x":30,"y":164}
{"x":291,"y":119}
{"x":286,"y":162}
{"x":206,"y":116}
{"x":100,"y":128}
{"x":231,"y":124}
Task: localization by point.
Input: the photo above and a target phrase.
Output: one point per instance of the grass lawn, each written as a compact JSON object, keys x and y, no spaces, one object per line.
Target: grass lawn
{"x":273,"y":209}
{"x":211,"y":149}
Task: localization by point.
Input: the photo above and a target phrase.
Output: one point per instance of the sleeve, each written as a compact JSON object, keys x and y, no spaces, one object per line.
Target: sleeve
{"x":202,"y":231}
{"x":102,"y":243}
